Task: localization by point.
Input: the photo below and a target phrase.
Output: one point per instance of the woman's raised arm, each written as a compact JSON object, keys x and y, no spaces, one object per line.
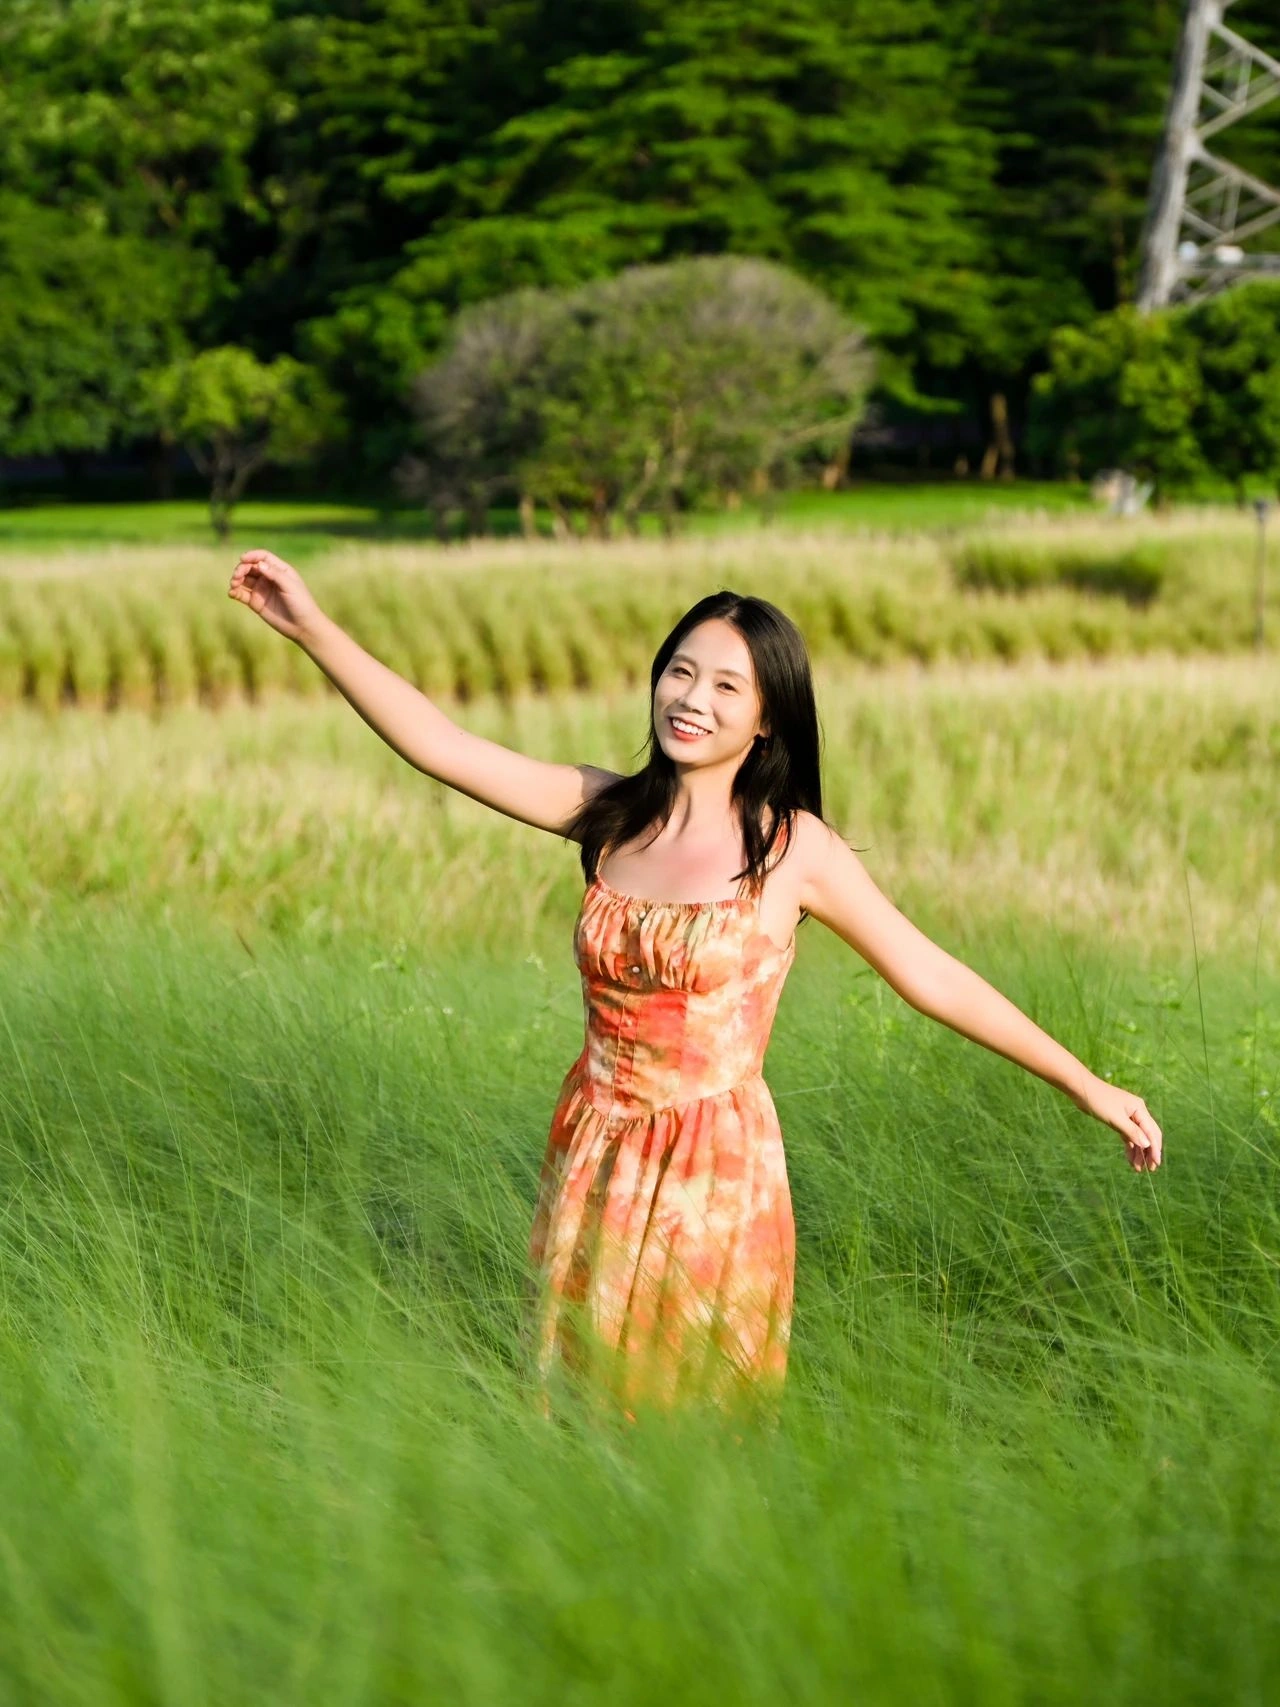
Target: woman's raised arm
{"x":836,"y":888}
{"x":538,"y":793}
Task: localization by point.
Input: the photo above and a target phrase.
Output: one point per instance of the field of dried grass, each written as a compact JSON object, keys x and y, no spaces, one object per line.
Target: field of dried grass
{"x":148,"y":626}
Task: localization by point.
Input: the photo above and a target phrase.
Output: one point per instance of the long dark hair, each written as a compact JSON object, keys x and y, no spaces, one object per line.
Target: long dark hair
{"x":782,"y":772}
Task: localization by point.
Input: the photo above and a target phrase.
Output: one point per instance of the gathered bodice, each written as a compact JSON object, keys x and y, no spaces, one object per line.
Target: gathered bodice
{"x":679,"y":997}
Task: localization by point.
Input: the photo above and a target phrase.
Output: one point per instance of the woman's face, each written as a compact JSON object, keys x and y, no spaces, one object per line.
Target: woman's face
{"x":706,"y":706}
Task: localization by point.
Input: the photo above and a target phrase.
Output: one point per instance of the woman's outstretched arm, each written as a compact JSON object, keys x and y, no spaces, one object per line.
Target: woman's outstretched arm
{"x":545,"y":795}
{"x":836,"y":888}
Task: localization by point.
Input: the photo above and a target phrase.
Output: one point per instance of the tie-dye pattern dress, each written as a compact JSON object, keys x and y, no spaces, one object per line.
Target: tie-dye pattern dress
{"x":663,"y":1238}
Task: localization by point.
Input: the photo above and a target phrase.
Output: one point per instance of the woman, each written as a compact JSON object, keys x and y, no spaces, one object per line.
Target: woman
{"x":663,"y":1236}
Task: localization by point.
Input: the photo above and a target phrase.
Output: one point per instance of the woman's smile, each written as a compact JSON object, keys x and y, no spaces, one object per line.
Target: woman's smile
{"x":686,"y":730}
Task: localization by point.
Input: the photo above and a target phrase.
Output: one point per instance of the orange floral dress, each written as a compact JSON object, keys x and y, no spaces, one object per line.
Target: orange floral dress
{"x":663,"y":1238}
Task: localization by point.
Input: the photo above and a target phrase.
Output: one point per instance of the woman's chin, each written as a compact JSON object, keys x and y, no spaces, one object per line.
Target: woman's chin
{"x":699,"y":754}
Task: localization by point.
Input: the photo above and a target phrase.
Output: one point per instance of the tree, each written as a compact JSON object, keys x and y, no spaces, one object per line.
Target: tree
{"x":1075,"y":98}
{"x":1237,"y":422}
{"x":82,"y":316}
{"x":648,"y":391}
{"x":234,"y":414}
{"x":959,"y":176}
{"x":138,"y":115}
{"x":393,"y":107}
{"x":1124,"y":392}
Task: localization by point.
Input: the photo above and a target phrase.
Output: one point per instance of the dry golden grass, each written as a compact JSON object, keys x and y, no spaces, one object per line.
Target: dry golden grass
{"x":147,"y":626}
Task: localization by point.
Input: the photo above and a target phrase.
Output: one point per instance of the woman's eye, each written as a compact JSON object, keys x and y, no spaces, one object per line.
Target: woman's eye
{"x":727,"y":687}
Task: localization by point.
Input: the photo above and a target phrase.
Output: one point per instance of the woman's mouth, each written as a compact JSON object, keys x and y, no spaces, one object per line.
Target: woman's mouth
{"x":685,"y":730}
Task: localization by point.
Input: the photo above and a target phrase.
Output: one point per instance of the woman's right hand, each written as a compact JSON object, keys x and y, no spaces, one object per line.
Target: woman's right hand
{"x":274,"y":590}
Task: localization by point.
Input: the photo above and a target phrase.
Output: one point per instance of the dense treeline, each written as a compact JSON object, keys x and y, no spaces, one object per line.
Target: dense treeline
{"x":332,"y":181}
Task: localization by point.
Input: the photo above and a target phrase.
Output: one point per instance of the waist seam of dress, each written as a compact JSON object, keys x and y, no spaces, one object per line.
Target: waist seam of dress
{"x":615,"y":1112}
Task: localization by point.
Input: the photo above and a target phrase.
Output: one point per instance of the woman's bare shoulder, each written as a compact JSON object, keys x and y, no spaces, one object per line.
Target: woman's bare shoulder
{"x":813,"y":845}
{"x":811,"y":837}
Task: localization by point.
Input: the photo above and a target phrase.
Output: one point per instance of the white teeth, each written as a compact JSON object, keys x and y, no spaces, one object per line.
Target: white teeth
{"x":687,"y":728}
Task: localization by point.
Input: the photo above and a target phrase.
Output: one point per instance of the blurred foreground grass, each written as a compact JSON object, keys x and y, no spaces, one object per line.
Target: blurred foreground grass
{"x":265,"y":1431}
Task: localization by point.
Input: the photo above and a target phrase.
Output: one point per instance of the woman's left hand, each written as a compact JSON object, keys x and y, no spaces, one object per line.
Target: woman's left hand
{"x":1128,"y":1114}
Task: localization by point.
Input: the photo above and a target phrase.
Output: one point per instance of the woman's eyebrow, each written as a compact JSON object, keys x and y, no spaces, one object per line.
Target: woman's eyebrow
{"x":684,"y":658}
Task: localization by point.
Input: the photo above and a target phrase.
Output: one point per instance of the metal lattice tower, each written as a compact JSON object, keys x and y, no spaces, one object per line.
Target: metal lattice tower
{"x":1204,"y":211}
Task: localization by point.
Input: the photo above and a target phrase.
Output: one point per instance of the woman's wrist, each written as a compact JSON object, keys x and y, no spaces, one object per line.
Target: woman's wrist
{"x":315,"y":634}
{"x":1080,"y":1085}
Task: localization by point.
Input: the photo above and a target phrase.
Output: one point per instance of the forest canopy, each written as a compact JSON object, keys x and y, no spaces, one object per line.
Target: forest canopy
{"x":335,"y":182}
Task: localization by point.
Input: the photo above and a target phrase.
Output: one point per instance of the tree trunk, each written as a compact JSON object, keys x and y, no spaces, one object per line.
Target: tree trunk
{"x":837,"y":470}
{"x":598,"y":517}
{"x":528,"y":516}
{"x":998,"y":457}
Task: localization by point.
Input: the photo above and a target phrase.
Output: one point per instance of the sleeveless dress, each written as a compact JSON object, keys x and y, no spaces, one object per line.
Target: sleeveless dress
{"x":663,"y":1239}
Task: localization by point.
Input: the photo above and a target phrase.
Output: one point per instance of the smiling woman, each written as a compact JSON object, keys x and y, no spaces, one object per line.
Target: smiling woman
{"x":662,"y":1240}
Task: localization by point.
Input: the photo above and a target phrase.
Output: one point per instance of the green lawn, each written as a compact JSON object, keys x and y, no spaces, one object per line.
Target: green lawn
{"x":301,"y":528}
{"x":304,"y":528}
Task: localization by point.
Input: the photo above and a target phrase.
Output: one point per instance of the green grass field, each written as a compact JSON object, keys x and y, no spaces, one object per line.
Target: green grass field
{"x":306,"y":528}
{"x":281,"y":1024}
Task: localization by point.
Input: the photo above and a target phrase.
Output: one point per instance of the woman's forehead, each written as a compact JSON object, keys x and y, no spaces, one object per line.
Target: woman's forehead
{"x":716,"y":644}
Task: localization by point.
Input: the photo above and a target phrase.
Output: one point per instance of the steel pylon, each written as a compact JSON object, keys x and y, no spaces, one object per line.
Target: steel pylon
{"x":1204,"y":212}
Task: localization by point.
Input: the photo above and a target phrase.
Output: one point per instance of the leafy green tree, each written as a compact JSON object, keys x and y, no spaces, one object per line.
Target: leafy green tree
{"x":691,"y":378}
{"x":1237,"y":423}
{"x":394,"y":105}
{"x":139,"y":115}
{"x":647,"y":391}
{"x":1124,"y":392}
{"x":234,"y":414}
{"x":959,"y":176}
{"x":82,"y":317}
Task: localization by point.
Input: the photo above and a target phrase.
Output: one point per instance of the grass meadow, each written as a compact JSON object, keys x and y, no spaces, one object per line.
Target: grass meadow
{"x":281,"y":1025}
{"x":145,"y":624}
